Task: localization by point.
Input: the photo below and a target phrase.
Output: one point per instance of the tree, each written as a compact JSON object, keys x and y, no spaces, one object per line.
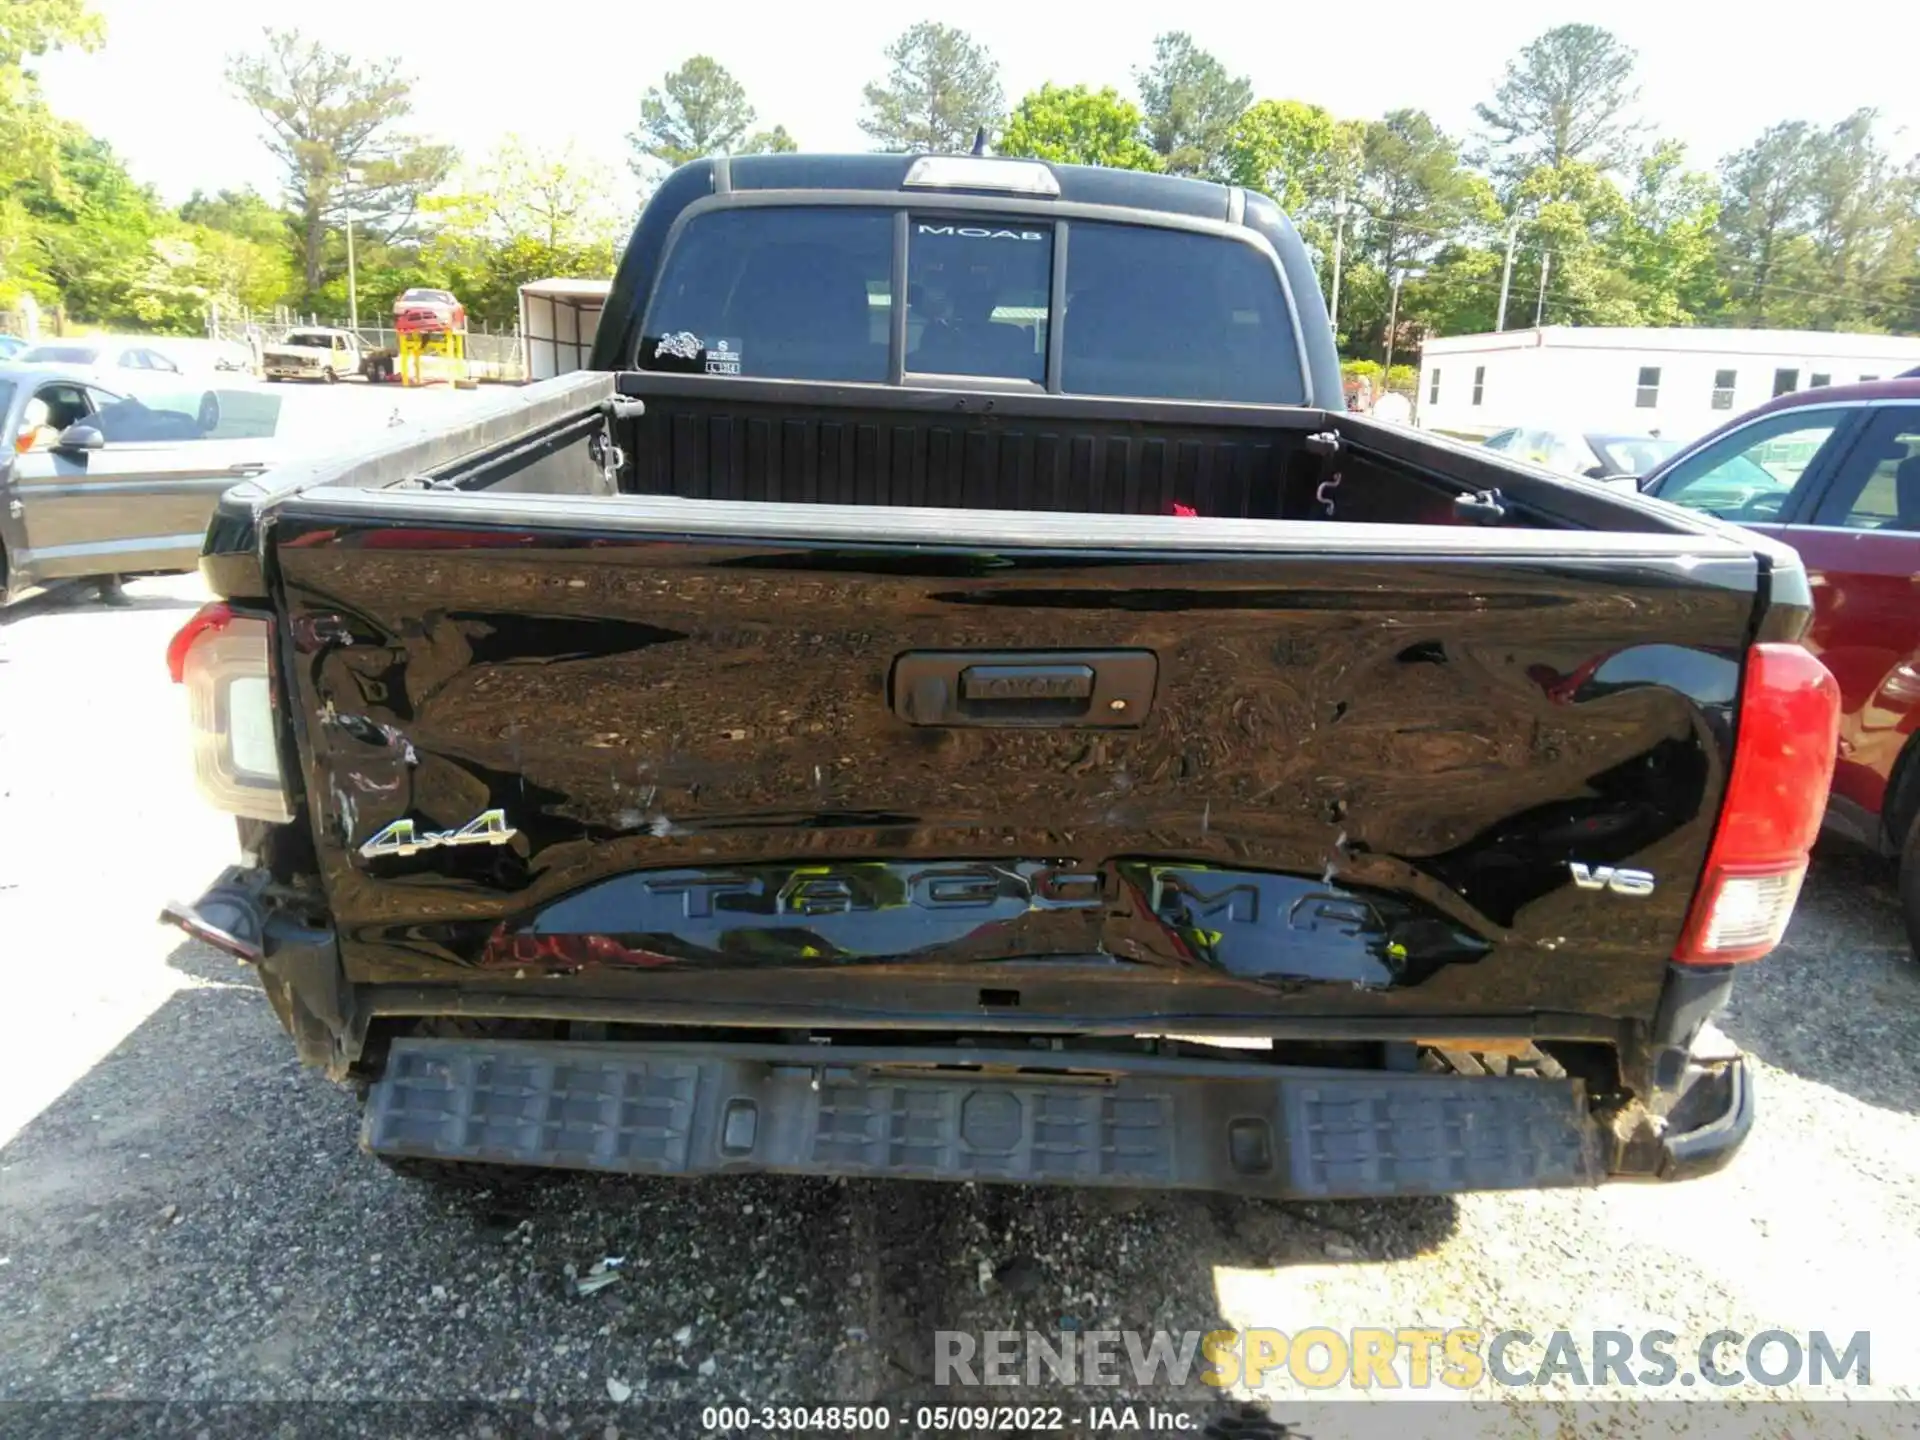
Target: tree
{"x":1078,"y":126}
{"x":1671,"y":240}
{"x":92,"y":228}
{"x":333,"y":123}
{"x":240,"y":245}
{"x":1855,"y":213}
{"x":941,"y":88}
{"x":524,"y":214}
{"x":559,"y":199}
{"x":1192,"y":106}
{"x":1290,"y":150}
{"x":1580,"y":219}
{"x":1416,"y":205}
{"x":30,"y":136}
{"x":1767,"y":204}
{"x":1565,"y":97}
{"x":769,"y":142}
{"x":699,"y":109}
{"x":28,"y":30}
{"x":245,"y":213}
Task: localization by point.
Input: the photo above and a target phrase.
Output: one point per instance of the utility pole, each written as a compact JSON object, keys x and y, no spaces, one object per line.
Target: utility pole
{"x":1339,"y":239}
{"x":353,"y":291}
{"x":1540,"y":306}
{"x":1506,"y":275}
{"x":1393,"y":323}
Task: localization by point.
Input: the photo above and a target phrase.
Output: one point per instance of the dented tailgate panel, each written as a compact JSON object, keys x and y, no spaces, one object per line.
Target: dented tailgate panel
{"x":1340,"y":783}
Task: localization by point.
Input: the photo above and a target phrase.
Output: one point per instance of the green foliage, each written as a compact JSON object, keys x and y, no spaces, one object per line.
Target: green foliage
{"x":525,"y":214}
{"x":769,"y":142}
{"x":1289,"y":150}
{"x":29,"y":135}
{"x":1193,"y":106}
{"x":698,"y":110}
{"x":242,"y":213}
{"x":1671,"y":240}
{"x":941,"y":88}
{"x":1078,"y":126}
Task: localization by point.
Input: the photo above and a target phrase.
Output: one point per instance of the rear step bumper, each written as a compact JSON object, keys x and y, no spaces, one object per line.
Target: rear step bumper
{"x":1145,"y":1122}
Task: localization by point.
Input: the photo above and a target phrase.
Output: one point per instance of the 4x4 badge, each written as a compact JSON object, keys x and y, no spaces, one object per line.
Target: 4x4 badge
{"x":403,"y":838}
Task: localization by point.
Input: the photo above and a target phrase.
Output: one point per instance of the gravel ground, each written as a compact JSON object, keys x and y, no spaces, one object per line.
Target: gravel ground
{"x":184,"y":1214}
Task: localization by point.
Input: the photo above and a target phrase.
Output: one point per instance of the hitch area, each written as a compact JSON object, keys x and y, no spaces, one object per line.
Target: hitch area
{"x":1072,"y":1118}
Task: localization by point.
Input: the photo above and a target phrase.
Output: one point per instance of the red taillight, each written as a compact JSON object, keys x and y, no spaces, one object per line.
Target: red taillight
{"x":1784,"y":747}
{"x":215,"y":616}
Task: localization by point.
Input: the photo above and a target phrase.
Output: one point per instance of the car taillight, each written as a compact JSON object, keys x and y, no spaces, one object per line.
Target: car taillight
{"x":225,"y":661}
{"x":1784,"y":748}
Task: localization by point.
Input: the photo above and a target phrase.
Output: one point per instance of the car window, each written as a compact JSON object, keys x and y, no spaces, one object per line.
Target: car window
{"x":1176,"y":315}
{"x":157,"y":361}
{"x":977,"y":291}
{"x":1749,"y":474}
{"x":63,"y":403}
{"x":790,"y":293}
{"x":60,"y":355}
{"x":1634,"y":455}
{"x":159,"y":417}
{"x":1878,"y":485}
{"x":1503,"y":441}
{"x":1568,"y":454}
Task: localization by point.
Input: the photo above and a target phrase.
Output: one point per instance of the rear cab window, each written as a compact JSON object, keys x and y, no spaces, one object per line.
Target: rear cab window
{"x":782,"y":293}
{"x":808,"y":293}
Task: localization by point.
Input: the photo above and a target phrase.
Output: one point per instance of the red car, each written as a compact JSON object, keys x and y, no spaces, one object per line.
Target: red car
{"x":424,"y":309}
{"x":1835,"y":473}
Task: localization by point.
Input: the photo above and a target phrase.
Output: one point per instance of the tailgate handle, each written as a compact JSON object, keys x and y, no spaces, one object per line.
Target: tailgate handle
{"x":1110,"y":689}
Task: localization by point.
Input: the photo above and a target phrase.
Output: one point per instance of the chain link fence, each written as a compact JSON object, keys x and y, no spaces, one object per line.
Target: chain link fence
{"x":494,"y":352}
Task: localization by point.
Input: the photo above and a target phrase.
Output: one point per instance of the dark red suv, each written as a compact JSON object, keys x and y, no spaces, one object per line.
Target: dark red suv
{"x":1836,"y":474}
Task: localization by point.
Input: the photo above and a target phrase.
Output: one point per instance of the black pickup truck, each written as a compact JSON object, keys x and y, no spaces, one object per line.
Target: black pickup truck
{"x":952,"y":694}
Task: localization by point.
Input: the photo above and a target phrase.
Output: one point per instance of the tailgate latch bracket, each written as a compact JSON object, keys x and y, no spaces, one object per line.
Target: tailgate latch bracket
{"x":1326,"y":444}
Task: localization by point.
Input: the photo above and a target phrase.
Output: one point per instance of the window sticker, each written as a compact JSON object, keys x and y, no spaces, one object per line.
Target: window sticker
{"x":683,"y":345}
{"x":724,"y":358}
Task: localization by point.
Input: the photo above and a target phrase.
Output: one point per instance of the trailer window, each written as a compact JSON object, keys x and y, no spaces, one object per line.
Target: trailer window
{"x":787,"y":293}
{"x":1170,"y":314}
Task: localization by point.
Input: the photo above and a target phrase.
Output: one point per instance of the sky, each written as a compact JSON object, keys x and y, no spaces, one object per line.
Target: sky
{"x":1711,"y":76}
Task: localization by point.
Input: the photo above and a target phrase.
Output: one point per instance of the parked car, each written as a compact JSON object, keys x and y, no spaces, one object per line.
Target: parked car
{"x":814,"y":742}
{"x":320,"y":353}
{"x":1835,"y":473}
{"x":424,"y":309}
{"x":100,"y":354}
{"x":104,"y":482}
{"x":1592,"y":455}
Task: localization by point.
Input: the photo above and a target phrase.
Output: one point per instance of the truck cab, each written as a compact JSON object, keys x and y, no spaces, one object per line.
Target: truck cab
{"x":313,"y":353}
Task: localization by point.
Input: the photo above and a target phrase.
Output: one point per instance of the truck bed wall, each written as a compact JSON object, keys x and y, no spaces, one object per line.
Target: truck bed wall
{"x":965,"y":456}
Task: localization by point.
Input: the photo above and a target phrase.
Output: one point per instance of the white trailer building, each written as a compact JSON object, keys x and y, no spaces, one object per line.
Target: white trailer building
{"x":1680,"y":382}
{"x":558,"y":320}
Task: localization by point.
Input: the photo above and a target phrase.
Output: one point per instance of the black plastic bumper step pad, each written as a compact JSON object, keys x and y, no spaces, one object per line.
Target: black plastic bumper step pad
{"x":673,"y":1109}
